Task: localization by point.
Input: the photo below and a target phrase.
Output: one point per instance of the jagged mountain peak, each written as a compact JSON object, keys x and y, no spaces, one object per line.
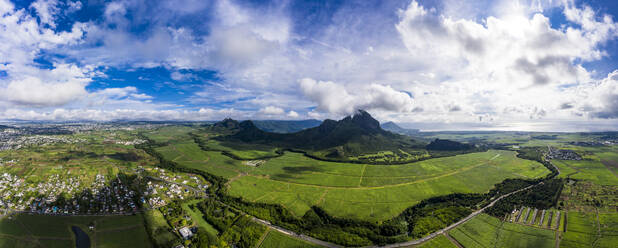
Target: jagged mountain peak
{"x":363,"y":120}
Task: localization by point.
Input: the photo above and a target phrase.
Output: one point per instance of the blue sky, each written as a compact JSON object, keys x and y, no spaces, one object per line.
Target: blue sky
{"x":497,"y":65}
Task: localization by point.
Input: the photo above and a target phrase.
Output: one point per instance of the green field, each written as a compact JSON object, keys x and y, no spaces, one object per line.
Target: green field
{"x":590,"y":170}
{"x":159,"y":229}
{"x":375,"y":192}
{"x":609,"y":229}
{"x":55,"y":231}
{"x":590,"y":230}
{"x":241,"y":150}
{"x":276,"y":239}
{"x":487,"y":231}
{"x":581,"y":230}
{"x":439,"y":241}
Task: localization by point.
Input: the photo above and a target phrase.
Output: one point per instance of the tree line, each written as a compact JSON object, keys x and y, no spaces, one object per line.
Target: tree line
{"x":416,"y":221}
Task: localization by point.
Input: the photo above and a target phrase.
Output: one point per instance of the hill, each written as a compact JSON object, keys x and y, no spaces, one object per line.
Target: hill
{"x":281,"y":126}
{"x":353,"y":135}
{"x":391,"y":126}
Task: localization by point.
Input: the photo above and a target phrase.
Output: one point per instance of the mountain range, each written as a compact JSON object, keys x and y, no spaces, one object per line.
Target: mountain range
{"x":353,"y":137}
{"x":356,"y":134}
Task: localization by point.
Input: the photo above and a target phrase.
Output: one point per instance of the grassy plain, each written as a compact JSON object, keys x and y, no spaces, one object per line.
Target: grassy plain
{"x":375,"y":192}
{"x":589,"y":170}
{"x":487,"y":231}
{"x":241,"y":150}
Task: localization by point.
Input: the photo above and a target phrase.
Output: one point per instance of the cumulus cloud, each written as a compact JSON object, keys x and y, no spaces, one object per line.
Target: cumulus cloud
{"x":272,"y":110}
{"x":293,"y":114}
{"x":334,"y":98}
{"x":54,"y":87}
{"x":23,"y":38}
{"x":602,"y":100}
{"x":507,"y":48}
{"x":31,"y":91}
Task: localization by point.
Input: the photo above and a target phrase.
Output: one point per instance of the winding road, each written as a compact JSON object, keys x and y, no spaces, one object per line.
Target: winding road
{"x":402,"y":244}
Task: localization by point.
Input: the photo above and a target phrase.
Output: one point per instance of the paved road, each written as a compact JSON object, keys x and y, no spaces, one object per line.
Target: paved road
{"x":403,"y":244}
{"x":296,"y":235}
{"x":439,"y":232}
{"x":430,"y":236}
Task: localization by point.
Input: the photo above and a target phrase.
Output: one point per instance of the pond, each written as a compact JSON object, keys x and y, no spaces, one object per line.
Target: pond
{"x":81,"y":238}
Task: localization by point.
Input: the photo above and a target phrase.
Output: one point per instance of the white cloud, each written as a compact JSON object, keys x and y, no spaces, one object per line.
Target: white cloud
{"x":141,"y":96}
{"x":40,"y":88}
{"x":179,"y":76}
{"x":272,"y":110}
{"x":22,"y":40}
{"x":46,"y":10}
{"x":116,"y":92}
{"x":61,"y":114}
{"x":31,"y":91}
{"x":293,"y":114}
{"x":334,"y":98}
{"x":508,"y":67}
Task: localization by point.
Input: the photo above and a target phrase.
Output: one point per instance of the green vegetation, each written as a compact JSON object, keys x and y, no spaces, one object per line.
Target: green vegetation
{"x":375,"y":192}
{"x":544,"y":196}
{"x":159,"y":230}
{"x":487,"y":231}
{"x":426,"y":216}
{"x":447,"y":145}
{"x":277,"y":126}
{"x":235,"y":228}
{"x":439,"y":241}
{"x":196,"y":215}
{"x":585,"y":196}
{"x":350,"y":183}
{"x":276,"y":239}
{"x":581,"y":230}
{"x":592,"y":219}
{"x":359,"y":136}
{"x":590,"y":170}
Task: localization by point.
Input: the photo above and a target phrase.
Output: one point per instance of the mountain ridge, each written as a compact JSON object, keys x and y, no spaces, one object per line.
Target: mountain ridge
{"x":361,"y":129}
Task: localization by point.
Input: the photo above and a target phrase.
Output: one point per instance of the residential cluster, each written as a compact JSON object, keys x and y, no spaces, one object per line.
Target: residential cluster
{"x":562,"y":154}
{"x":166,"y":187}
{"x":68,"y":195}
{"x":17,"y":142}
